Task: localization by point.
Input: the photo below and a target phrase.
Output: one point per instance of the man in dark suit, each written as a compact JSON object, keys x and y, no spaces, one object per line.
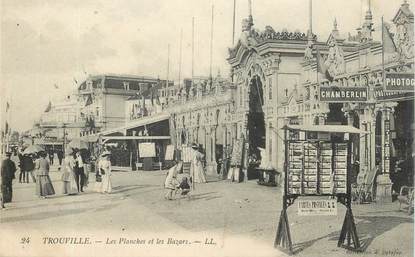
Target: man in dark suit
{"x":8,"y":169}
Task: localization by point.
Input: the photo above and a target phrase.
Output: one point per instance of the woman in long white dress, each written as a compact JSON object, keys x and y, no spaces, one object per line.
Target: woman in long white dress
{"x":104,"y":169}
{"x":196,"y":166}
{"x":68,"y":176}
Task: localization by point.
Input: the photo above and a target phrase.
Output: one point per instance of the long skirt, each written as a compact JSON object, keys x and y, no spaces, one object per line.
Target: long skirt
{"x":198,"y":173}
{"x":44,"y":186}
{"x":69,"y":183}
{"x":106,"y":186}
{"x":7,"y":191}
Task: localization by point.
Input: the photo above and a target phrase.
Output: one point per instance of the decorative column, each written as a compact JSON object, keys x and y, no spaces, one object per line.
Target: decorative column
{"x":245,"y":135}
{"x":213,"y":163}
{"x":384,"y":184}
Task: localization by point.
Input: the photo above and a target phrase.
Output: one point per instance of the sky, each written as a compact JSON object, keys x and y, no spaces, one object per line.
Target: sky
{"x":55,"y":42}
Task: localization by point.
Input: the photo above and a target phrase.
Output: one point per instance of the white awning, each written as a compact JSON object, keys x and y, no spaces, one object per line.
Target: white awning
{"x":326,"y":128}
{"x":138,"y":123}
{"x":136,"y":137}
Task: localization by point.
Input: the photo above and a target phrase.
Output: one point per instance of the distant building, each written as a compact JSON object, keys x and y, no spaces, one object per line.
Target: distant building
{"x":102,"y":99}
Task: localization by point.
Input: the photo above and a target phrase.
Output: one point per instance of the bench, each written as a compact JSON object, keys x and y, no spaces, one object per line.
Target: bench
{"x":406,"y":197}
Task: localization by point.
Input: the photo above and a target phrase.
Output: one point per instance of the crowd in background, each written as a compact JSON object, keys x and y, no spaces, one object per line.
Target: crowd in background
{"x":75,"y":168}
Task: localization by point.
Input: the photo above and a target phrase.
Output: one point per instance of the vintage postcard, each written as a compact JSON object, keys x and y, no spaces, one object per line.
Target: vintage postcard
{"x":223,"y":128}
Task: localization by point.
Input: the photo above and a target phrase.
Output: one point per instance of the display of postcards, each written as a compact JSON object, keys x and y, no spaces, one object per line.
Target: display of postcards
{"x":324,"y":178}
{"x":325,"y":165}
{"x":326,"y":152}
{"x":310,"y":184}
{"x":296,"y":144}
{"x":326,"y":190}
{"x":341,"y":145}
{"x":325,"y":171}
{"x":339,"y":178}
{"x":340,"y":158}
{"x":340,"y":153}
{"x":296,"y":165}
{"x":325,"y":184}
{"x":340,"y":171}
{"x":294,"y":177}
{"x":309,"y":158}
{"x":310,"y":165}
{"x":310,"y":145}
{"x":326,"y":158}
{"x":325,"y":146}
{"x":294,"y":184}
{"x":296,"y":153}
{"x":310,"y":152}
{"x":310,"y":171}
{"x":310,"y":191}
{"x":310,"y":178}
{"x":340,"y":165}
{"x":340,"y":190}
{"x":294,"y":171}
{"x":294,"y":190}
{"x":340,"y":184}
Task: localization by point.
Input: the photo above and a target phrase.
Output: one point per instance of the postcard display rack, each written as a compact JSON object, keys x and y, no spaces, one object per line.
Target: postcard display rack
{"x":317,"y":168}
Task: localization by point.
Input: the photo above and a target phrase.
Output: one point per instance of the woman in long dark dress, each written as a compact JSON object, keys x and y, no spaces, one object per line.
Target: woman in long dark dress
{"x":44,"y":185}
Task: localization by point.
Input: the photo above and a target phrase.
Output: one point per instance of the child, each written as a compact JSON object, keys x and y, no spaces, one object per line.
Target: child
{"x":171,"y":182}
{"x":184,"y":186}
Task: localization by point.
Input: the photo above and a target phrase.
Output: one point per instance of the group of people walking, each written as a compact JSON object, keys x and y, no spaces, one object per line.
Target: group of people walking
{"x":75,"y":176}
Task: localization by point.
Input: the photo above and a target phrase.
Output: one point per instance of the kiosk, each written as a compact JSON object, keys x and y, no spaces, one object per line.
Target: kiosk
{"x":318,"y":163}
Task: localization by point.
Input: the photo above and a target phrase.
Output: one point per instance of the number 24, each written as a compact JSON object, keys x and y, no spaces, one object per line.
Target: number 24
{"x":25,"y":240}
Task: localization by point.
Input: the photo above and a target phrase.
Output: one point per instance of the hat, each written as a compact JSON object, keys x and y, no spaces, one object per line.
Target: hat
{"x":105,"y":153}
{"x":194,"y":146}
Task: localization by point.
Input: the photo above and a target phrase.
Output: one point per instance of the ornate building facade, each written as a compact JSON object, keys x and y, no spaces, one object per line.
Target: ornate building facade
{"x":277,"y":78}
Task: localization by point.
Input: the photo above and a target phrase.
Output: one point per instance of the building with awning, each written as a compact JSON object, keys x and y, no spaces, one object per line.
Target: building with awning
{"x":124,"y":141}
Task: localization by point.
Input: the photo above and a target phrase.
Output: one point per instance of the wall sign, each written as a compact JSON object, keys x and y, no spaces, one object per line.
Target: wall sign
{"x":381,"y":95}
{"x":399,"y":81}
{"x":343,"y":94}
{"x":147,"y":150}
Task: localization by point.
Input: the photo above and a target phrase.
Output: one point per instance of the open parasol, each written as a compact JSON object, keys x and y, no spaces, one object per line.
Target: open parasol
{"x":33,"y":149}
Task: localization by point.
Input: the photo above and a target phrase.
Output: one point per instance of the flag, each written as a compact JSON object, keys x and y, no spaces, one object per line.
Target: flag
{"x":76,"y":81}
{"x":88,"y":101}
{"x":6,"y":128}
{"x":48,"y":107}
{"x":56,"y":86}
{"x":7,"y":106}
{"x":321,"y":67}
{"x":387,"y":39}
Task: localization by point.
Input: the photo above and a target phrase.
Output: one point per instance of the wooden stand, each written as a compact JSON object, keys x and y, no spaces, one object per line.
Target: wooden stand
{"x":283,"y":238}
{"x":349,"y":233}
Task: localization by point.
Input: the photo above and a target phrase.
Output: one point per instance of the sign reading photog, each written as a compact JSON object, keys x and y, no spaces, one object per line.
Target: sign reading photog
{"x":399,"y":81}
{"x":343,"y":94}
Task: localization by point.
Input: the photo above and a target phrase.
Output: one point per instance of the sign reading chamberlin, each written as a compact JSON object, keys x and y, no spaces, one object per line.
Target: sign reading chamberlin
{"x":343,"y":94}
{"x":399,"y":81}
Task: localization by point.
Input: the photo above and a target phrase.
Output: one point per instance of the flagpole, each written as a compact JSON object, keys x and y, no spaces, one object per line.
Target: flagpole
{"x":211,"y":45}
{"x":180,"y":57}
{"x":167,"y":75}
{"x":383,"y":52}
{"x":193,"y":47}
{"x":233,"y":25}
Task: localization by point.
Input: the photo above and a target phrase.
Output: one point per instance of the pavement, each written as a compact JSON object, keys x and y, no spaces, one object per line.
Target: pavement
{"x":219,"y":219}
